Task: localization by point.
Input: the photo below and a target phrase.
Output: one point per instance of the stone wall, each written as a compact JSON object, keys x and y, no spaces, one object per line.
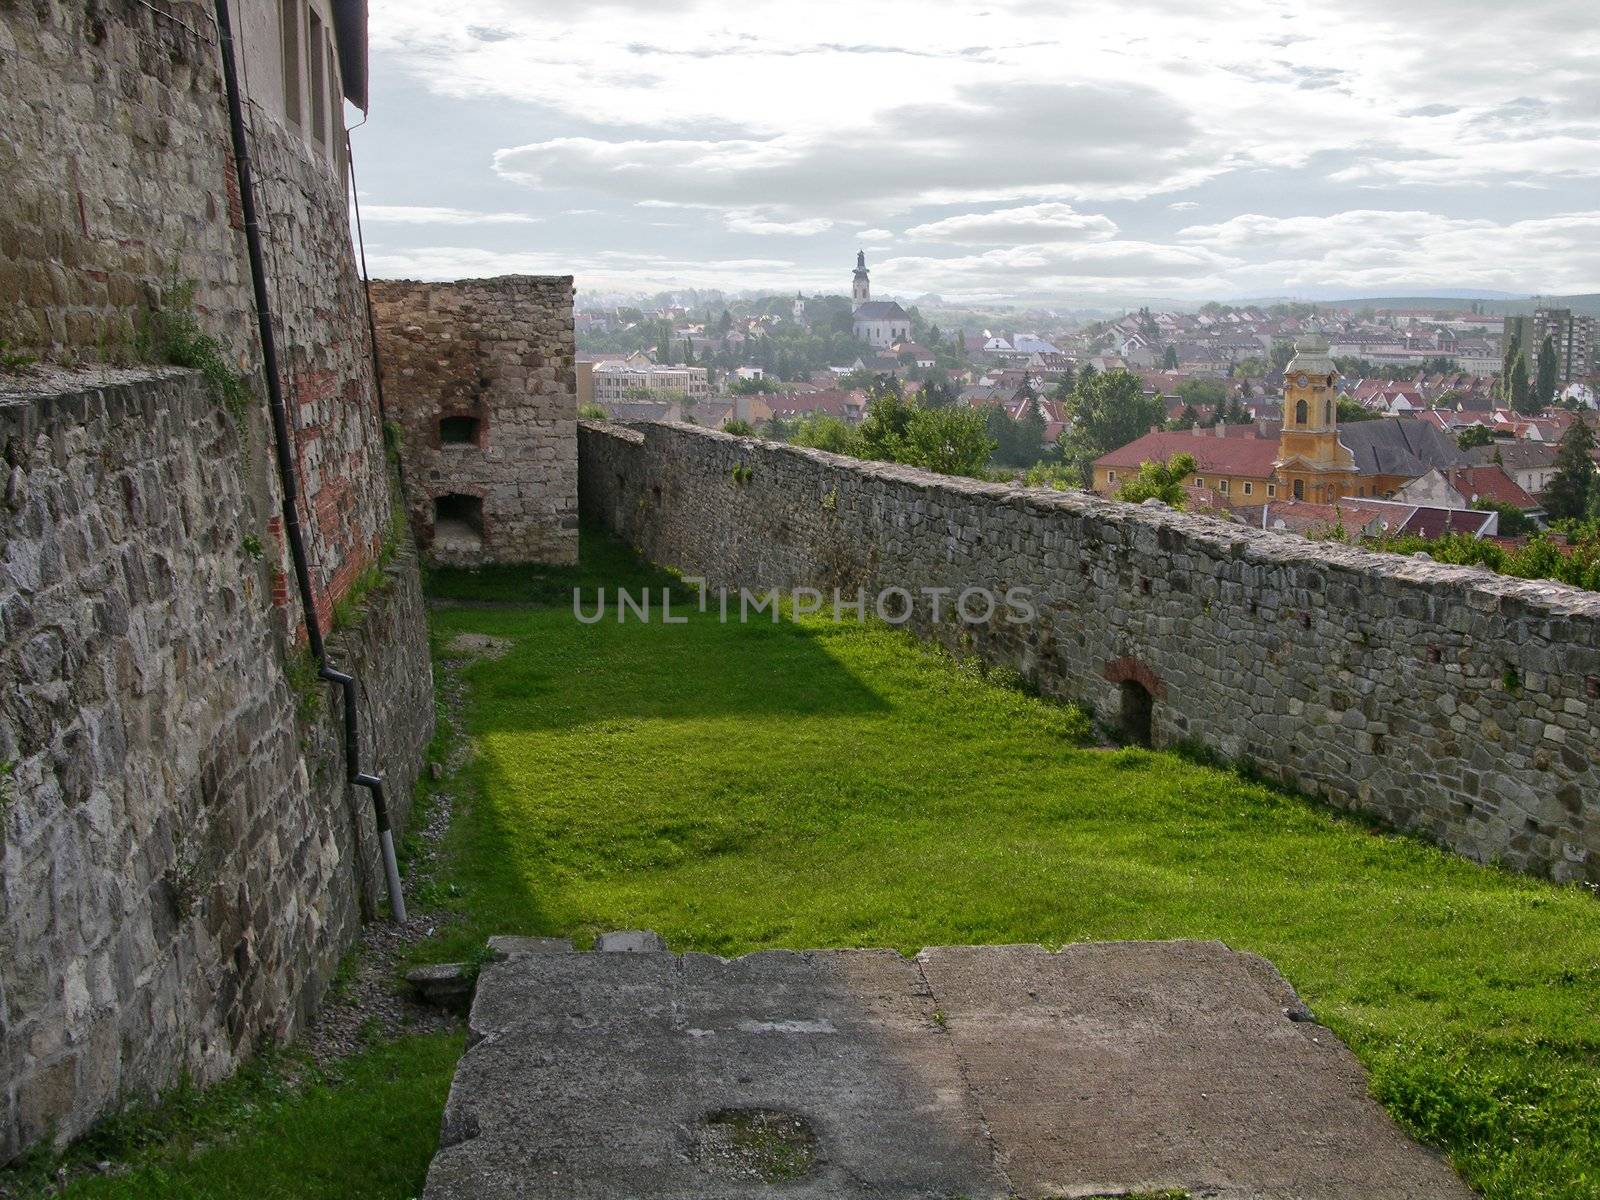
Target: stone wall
{"x":120,"y":193}
{"x":1442,"y":700}
{"x":479,"y":376}
{"x":183,"y":863}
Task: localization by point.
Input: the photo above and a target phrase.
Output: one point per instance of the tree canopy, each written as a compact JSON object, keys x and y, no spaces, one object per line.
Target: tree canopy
{"x":1106,"y":410}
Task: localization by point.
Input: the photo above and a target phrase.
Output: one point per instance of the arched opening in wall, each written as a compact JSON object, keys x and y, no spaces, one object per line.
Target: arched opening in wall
{"x":1299,"y":489}
{"x":1301,"y":412}
{"x":459,"y":431}
{"x":458,"y":521}
{"x":1138,"y":712}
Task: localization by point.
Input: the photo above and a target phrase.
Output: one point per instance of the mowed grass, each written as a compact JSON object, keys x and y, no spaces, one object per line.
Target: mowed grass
{"x":739,"y":787}
{"x":363,"y":1129}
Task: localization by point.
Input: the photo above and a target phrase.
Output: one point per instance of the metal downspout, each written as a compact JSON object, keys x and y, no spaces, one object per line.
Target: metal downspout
{"x":287,"y":476}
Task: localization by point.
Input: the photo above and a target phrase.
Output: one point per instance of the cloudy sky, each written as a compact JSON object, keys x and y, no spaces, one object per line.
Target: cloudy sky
{"x":1089,"y":151}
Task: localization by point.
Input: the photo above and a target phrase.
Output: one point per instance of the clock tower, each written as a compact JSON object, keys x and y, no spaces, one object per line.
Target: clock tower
{"x":860,"y":287}
{"x":1312,"y":463}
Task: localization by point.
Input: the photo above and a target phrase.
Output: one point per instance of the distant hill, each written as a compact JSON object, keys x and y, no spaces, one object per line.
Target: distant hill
{"x":1496,"y":304}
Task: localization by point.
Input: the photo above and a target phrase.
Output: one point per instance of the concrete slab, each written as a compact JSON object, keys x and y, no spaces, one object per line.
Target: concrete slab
{"x":976,"y":1072}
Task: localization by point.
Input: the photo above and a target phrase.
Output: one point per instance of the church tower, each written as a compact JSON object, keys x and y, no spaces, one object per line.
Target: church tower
{"x":799,"y":309}
{"x":1312,"y":463}
{"x":860,"y":289}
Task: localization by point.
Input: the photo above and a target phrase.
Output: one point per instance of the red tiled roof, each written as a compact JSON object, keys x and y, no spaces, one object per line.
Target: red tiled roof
{"x":1250,"y":456}
{"x":1491,"y":483}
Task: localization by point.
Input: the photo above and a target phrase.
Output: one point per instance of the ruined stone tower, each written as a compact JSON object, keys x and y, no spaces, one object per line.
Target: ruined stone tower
{"x":478,"y":377}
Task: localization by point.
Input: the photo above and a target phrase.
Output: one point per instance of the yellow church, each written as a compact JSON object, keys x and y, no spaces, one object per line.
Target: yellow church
{"x":1312,"y":463}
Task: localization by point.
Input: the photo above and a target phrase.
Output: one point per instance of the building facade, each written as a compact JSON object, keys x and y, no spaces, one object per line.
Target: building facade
{"x":1571,"y":334}
{"x":879,"y":323}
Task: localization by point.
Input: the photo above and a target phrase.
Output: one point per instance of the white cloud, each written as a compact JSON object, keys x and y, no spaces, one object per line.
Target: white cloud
{"x":751,"y":221}
{"x":1048,"y":222}
{"x":1376,"y":248}
{"x":407,"y":214}
{"x":770,"y":119}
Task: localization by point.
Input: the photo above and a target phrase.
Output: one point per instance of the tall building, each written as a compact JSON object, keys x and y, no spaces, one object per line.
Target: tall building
{"x":1572,"y":335}
{"x":1312,"y":463}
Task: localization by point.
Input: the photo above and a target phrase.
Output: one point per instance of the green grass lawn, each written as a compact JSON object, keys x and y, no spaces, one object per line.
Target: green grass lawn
{"x":816,"y":785}
{"x":365,"y":1129}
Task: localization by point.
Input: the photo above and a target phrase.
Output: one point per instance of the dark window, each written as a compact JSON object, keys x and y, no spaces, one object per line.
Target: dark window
{"x":1327,"y":412}
{"x":1138,"y":713}
{"x":458,"y":431}
{"x":319,"y":90}
{"x":289,"y":17}
{"x":1300,"y":412}
{"x":1299,"y":489}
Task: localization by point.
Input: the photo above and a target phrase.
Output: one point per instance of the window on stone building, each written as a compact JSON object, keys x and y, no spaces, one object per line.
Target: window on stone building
{"x":1299,"y":489}
{"x":1222,"y":486}
{"x":315,"y":49}
{"x":1301,"y":412}
{"x":459,"y":431}
{"x":1249,"y":488}
{"x":1111,"y":476}
{"x":334,"y":110}
{"x":289,"y":19}
{"x":1272,"y":490}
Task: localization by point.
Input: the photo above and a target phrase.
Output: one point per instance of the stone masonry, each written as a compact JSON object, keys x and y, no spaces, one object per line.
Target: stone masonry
{"x":479,"y":376}
{"x":183,"y":863}
{"x":120,"y":192}
{"x":1443,"y":700}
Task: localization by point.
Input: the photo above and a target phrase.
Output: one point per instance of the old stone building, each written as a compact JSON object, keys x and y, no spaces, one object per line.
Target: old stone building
{"x":479,"y":378}
{"x":182,"y":860}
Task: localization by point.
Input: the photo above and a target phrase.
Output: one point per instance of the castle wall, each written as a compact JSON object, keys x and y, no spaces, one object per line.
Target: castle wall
{"x":183,"y":863}
{"x":1443,"y":700}
{"x":498,"y":353}
{"x":119,"y":191}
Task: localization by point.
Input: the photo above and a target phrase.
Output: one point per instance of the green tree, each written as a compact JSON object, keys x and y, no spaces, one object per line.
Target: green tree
{"x":1544,"y":388}
{"x":1474,"y":435}
{"x":1282,"y":352}
{"x":1187,"y":419}
{"x":1106,"y":410}
{"x":1521,"y":394}
{"x":883,"y":432}
{"x":952,"y":441}
{"x":821,"y":431}
{"x":1349,"y":411}
{"x":1207,"y":393}
{"x":1159,"y":481}
{"x":739,"y":428}
{"x":1513,"y":348}
{"x":1169,"y":359}
{"x":1513,"y":521}
{"x":592,"y":412}
{"x":1568,"y":494}
{"x":938,"y":393}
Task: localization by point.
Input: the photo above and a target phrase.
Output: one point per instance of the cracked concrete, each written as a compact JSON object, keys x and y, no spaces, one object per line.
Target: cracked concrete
{"x":984,"y":1072}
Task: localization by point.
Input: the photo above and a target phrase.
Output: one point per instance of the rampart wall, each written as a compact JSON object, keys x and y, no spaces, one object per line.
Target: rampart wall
{"x":1443,"y":700}
{"x":183,"y":863}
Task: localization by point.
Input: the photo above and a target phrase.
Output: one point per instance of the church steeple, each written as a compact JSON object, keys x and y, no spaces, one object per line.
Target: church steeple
{"x":860,"y":288}
{"x":1313,"y":464}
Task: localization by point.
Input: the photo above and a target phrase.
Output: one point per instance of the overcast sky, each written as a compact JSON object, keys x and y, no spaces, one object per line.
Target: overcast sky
{"x":1092,"y":151}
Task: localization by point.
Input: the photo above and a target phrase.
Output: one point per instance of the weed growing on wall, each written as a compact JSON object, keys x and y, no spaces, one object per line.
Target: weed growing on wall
{"x":306,"y":682}
{"x":11,"y":360}
{"x":172,"y":334}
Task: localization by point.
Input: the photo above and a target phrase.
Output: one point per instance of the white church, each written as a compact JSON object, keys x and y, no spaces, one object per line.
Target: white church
{"x":879,"y":323}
